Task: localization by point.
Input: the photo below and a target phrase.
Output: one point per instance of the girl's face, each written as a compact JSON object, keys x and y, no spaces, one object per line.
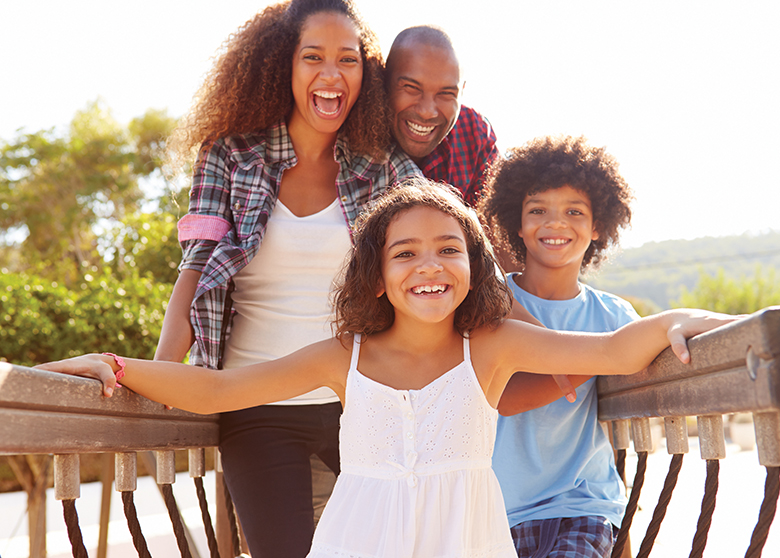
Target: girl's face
{"x":425,"y":265}
{"x":557,"y":228}
{"x":327,"y":71}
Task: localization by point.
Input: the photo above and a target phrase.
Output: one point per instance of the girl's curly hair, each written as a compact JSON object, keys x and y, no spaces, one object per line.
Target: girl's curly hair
{"x":357,"y":307}
{"x":548,"y":163}
{"x":249,"y":87}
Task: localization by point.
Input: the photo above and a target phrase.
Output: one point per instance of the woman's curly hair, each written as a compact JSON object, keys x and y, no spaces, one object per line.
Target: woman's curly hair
{"x":548,"y":163}
{"x":249,"y":87}
{"x":357,"y":307}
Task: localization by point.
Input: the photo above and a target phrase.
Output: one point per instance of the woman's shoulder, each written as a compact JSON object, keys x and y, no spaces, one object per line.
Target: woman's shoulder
{"x":246,"y":150}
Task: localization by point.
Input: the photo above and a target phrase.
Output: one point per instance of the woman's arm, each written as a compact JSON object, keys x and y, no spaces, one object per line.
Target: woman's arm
{"x":205,"y":391}
{"x":177,"y":335}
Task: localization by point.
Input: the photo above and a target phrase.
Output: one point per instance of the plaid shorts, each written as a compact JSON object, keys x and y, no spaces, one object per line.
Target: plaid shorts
{"x":569,"y":537}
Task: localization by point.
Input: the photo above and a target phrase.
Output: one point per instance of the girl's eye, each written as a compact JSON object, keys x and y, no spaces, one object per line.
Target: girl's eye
{"x":311,"y":57}
{"x":450,"y":251}
{"x":406,"y":254}
{"x":349,"y":60}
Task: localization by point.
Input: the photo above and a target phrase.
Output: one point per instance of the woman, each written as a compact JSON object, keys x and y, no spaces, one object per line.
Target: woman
{"x":292,"y":129}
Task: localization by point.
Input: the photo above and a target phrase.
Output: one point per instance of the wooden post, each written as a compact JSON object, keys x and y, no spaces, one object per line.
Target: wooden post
{"x":106,"y":479}
{"x":32,"y":472}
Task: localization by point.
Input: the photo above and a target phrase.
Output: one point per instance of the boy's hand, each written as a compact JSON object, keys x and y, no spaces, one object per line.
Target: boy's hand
{"x":688,"y":323}
{"x":88,"y":366}
{"x":566,"y":387}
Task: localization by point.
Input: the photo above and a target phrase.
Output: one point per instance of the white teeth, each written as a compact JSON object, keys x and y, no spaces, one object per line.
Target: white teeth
{"x":327,"y":94}
{"x":429,"y":289}
{"x":419,"y":130}
{"x":555,"y":241}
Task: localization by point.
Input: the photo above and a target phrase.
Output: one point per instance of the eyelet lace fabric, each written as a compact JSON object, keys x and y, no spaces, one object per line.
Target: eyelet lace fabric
{"x":416,"y":477}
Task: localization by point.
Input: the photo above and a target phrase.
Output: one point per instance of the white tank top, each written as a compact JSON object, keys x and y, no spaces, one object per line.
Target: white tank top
{"x":282,"y":297}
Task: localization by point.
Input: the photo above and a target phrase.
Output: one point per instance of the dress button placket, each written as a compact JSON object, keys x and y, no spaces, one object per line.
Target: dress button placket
{"x":407,"y":412}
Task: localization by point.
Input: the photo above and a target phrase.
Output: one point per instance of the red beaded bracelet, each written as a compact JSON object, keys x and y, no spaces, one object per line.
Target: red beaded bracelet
{"x":121,"y":364}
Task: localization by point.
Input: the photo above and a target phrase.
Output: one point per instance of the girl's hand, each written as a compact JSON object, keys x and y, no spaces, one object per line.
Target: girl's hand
{"x":89,"y":366}
{"x":687,"y":323}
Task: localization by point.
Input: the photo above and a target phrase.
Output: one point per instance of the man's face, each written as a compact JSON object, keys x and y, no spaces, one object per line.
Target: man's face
{"x":424,"y":93}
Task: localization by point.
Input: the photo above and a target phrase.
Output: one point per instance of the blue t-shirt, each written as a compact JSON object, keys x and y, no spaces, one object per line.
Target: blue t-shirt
{"x":556,"y":461}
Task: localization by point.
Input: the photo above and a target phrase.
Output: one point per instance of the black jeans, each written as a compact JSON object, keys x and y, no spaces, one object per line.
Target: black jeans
{"x":265,"y":458}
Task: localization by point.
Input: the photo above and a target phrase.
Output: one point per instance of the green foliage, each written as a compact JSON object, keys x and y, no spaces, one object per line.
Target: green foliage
{"x":146,"y":243}
{"x":56,"y":187}
{"x":659,"y":271}
{"x":42,"y":320}
{"x":722,"y":294}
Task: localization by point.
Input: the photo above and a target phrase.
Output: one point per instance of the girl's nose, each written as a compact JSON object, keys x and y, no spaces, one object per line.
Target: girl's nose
{"x":430,"y":264}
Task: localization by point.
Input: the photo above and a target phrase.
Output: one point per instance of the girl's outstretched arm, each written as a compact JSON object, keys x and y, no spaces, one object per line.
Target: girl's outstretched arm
{"x":201,"y":390}
{"x":517,"y":346}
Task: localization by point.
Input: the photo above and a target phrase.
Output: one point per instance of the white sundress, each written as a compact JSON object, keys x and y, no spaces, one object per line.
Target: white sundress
{"x":416,"y":478}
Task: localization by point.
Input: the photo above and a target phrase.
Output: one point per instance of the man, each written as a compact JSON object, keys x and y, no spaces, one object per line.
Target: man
{"x":449,"y":142}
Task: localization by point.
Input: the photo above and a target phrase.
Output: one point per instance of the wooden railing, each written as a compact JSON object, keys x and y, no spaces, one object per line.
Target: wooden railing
{"x":45,"y":413}
{"x":734,"y":369}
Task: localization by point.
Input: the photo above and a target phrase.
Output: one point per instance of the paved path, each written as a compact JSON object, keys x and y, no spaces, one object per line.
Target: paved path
{"x":739,"y":498}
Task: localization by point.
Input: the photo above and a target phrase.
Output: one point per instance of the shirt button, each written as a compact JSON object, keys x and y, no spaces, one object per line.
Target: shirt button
{"x":409,"y":435}
{"x":410,"y":416}
{"x":344,"y":199}
{"x":236,"y":206}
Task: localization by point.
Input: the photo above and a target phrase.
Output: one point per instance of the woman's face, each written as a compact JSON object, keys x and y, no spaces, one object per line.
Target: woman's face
{"x":327,"y":72}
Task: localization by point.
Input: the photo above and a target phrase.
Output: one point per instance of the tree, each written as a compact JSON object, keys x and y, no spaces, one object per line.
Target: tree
{"x":54,"y":188}
{"x":731,"y":296}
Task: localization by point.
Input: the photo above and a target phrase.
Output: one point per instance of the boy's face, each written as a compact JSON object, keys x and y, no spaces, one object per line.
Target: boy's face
{"x":557,"y":229}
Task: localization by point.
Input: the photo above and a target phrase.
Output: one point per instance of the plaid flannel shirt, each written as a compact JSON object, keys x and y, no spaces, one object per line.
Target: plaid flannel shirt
{"x":464,"y":155}
{"x":234,"y":189}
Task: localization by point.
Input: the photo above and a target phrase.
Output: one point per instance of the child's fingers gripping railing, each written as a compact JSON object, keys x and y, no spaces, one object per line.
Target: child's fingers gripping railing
{"x":733,"y":369}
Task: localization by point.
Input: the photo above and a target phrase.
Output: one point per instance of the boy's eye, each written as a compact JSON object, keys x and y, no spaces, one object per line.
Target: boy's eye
{"x":536,"y":211}
{"x":575,"y":212}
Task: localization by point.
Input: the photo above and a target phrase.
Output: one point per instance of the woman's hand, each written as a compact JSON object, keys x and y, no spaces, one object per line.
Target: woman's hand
{"x":99,"y":367}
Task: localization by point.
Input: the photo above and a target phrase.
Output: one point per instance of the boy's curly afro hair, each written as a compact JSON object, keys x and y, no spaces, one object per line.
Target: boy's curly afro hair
{"x":548,"y":163}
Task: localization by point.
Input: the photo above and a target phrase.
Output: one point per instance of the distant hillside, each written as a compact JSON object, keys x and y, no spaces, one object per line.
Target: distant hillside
{"x":657,"y":271}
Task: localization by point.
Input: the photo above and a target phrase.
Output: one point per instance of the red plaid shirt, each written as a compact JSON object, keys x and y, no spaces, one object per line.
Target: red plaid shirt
{"x":464,"y":156}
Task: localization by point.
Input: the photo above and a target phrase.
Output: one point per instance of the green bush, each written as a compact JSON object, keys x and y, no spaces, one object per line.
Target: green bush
{"x":722,"y":294}
{"x":42,"y":320}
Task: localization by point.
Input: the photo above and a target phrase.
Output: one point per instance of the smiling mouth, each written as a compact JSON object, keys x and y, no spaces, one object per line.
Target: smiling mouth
{"x":430,"y":289}
{"x":327,"y":103}
{"x":418,"y":130}
{"x":555,"y":241}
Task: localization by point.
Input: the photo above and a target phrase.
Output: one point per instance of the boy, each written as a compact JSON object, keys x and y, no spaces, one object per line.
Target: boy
{"x":557,"y":204}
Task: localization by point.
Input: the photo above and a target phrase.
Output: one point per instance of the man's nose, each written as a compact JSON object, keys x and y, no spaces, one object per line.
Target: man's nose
{"x":427,"y":108}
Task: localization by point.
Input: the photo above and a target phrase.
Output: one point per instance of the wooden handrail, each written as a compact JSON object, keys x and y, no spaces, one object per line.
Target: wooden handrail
{"x":45,"y":412}
{"x":735,"y":368}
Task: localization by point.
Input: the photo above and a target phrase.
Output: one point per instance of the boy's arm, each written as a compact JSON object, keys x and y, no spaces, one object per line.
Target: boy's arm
{"x":525,"y":391}
{"x":563,"y":383}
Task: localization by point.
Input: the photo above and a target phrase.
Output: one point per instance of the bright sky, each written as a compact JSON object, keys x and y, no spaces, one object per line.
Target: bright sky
{"x":684,"y":94}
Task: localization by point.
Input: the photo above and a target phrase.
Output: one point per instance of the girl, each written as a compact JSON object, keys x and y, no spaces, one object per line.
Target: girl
{"x":420,"y":359}
{"x":291,"y":125}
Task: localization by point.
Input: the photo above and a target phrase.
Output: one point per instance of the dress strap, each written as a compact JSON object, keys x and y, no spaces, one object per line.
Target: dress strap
{"x":466,"y":351}
{"x":355,"y":351}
